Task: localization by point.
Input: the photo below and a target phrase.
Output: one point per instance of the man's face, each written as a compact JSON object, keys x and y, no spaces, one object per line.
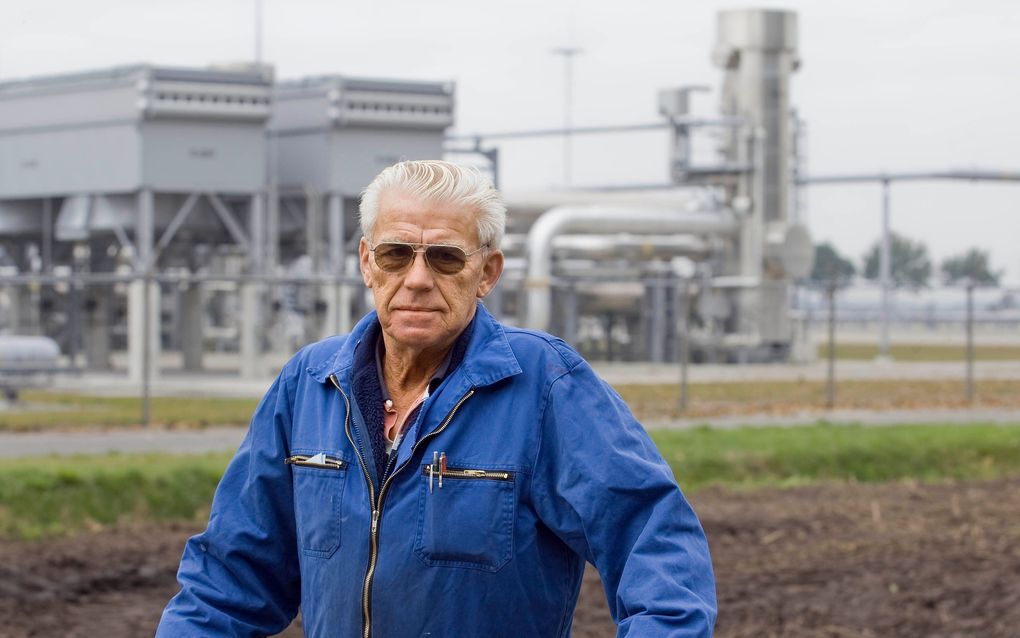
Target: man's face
{"x":418,"y":308}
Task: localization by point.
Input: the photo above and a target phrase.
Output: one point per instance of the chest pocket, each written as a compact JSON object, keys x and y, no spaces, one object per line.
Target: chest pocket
{"x":319,"y":483}
{"x":469,"y":520}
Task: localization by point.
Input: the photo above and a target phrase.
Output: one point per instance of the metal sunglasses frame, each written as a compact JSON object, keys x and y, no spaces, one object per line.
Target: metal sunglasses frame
{"x":423,"y":249}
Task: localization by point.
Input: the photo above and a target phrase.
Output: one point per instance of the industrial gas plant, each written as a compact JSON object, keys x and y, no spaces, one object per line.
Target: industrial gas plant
{"x":152,"y":214}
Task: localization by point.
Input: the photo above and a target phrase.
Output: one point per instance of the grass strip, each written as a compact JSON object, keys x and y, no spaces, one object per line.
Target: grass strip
{"x":50,"y":496}
{"x":46,"y":410}
{"x":780,"y":456}
{"x":920,"y":352}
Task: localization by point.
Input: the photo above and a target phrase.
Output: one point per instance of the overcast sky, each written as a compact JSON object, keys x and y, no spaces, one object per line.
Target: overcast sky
{"x":883,"y":85}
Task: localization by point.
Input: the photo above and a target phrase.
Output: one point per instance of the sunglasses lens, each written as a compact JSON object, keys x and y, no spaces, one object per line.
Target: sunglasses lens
{"x":446,"y":260}
{"x":393,"y":257}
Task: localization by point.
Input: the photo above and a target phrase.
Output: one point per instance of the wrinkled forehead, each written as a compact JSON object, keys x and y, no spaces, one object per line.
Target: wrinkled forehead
{"x":404,"y":212}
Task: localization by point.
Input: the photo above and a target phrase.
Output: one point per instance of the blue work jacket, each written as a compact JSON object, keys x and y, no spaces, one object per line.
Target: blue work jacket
{"x":544,"y":468}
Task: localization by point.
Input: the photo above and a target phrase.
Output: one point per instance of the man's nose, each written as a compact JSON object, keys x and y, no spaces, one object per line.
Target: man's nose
{"x":419,"y":275}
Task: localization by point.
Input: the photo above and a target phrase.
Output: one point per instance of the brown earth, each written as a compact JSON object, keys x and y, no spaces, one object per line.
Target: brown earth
{"x":836,"y":560}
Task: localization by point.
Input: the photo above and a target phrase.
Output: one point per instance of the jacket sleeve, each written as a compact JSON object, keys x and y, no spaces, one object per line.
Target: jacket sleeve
{"x":603,"y":487}
{"x":240,"y":576}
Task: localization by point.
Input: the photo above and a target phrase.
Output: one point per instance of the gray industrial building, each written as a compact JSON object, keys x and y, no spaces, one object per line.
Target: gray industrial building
{"x":232,"y":198}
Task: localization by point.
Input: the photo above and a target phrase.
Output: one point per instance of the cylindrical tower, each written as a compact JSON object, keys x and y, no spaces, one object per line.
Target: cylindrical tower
{"x":757,"y":50}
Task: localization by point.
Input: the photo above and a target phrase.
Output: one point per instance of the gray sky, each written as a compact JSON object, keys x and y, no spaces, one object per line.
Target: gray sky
{"x":883,"y":85}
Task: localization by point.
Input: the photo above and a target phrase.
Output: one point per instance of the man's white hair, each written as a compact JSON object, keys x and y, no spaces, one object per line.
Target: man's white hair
{"x":439,"y":181}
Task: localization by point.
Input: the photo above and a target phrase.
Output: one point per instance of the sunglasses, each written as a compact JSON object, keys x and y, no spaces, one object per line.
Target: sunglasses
{"x":394,"y":256}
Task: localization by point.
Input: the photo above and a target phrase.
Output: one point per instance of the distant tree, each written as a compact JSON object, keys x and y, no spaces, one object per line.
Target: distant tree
{"x":972,"y":265}
{"x":910,"y":266}
{"x":831,"y":266}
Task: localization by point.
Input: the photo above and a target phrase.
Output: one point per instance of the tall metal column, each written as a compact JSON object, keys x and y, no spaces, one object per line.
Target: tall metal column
{"x":885,"y":275}
{"x":143,"y":313}
{"x":338,"y":306}
{"x":758,"y":51}
{"x":251,"y":360}
{"x":314,"y":244}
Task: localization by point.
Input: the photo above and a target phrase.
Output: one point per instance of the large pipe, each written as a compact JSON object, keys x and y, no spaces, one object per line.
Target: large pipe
{"x":602,"y":219}
{"x":631,"y":247}
{"x":615,"y":245}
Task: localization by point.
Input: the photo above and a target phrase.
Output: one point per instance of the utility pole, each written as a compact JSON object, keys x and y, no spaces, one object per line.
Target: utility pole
{"x":568,"y":54}
{"x":258,"y":33}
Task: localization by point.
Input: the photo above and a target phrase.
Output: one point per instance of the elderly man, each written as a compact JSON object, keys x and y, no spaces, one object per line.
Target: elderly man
{"x":436,"y":473}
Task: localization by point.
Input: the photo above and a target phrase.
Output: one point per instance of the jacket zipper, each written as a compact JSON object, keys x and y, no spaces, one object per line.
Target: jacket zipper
{"x":328,"y":463}
{"x":371,"y":499}
{"x":373,"y":556}
{"x":464,"y":473}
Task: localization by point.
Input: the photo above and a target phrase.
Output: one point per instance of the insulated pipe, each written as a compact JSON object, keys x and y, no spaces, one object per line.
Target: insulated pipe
{"x":633,"y":247}
{"x":603,"y":219}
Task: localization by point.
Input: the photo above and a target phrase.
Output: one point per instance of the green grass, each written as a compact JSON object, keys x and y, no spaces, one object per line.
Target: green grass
{"x":47,"y":410}
{"x":48,"y":496}
{"x":920,"y":352}
{"x":776,"y":456}
{"x":51,"y":496}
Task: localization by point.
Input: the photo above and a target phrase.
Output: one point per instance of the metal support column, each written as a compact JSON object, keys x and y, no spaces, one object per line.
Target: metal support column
{"x":885,"y":275}
{"x":47,"y":236}
{"x":338,"y":308}
{"x":143,"y":312}
{"x":313,"y":248}
{"x":752,"y":232}
{"x":250,"y":291}
{"x":192,"y":321}
{"x":97,"y":328}
{"x":272,"y":231}
{"x":656,"y":319}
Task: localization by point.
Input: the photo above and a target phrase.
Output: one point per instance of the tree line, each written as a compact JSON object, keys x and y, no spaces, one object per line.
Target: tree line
{"x":910,"y":265}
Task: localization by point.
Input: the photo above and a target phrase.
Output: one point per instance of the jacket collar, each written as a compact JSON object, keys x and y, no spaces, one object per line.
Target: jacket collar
{"x":489,"y":357}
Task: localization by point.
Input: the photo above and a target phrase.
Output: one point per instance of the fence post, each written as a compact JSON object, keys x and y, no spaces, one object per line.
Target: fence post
{"x":146,"y":346}
{"x":830,"y":384}
{"x":684,"y":341}
{"x":970,"y":342}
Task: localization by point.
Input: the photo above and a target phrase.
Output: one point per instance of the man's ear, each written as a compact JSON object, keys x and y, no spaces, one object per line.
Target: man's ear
{"x":491,"y":271}
{"x":363,"y":256}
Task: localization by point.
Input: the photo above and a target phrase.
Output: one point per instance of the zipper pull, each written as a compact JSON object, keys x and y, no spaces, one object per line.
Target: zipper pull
{"x":375,"y":520}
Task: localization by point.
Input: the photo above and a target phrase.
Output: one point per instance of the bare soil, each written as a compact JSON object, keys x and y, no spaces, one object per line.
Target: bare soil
{"x":836,"y":561}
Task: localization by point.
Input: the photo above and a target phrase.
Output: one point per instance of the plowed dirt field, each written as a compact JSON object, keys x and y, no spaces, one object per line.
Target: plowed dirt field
{"x":836,"y":560}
